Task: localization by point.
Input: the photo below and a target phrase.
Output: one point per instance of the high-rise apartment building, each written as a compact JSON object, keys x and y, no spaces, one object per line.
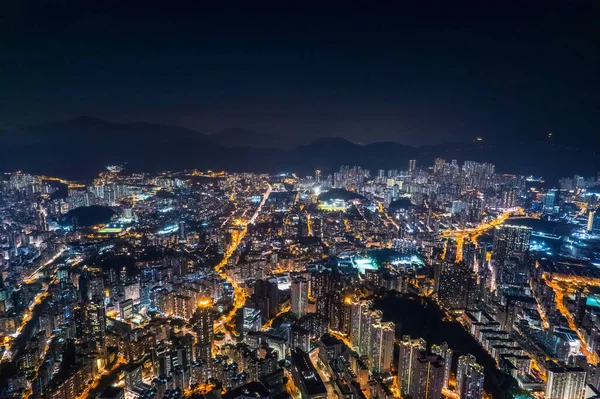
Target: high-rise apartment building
{"x":565,"y":383}
{"x":445,"y":353}
{"x":299,"y":291}
{"x":452,"y":284}
{"x":204,"y":329}
{"x":511,"y":240}
{"x":412,"y":165}
{"x":427,"y":378}
{"x":438,"y":165}
{"x":469,"y":255}
{"x":320,"y":284}
{"x":382,"y":346}
{"x":373,"y":338}
{"x":511,"y":253}
{"x":358,"y":307}
{"x":409,"y":351}
{"x":368,"y":319}
{"x":469,"y":378}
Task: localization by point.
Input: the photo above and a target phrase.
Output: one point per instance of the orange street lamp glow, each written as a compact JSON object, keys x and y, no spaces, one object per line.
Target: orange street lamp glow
{"x":204,"y":303}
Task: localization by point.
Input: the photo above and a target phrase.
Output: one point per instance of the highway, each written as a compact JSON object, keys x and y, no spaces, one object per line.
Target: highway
{"x":29,"y":323}
{"x":32,"y":277}
{"x":476,"y":232}
{"x":35,"y":306}
{"x":269,"y":322}
{"x":9,"y":364}
{"x":238,"y":292}
{"x":561,"y":288}
{"x":103,"y":380}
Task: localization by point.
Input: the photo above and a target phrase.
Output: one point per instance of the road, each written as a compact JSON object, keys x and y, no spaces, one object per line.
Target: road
{"x":29,"y":323}
{"x":308,"y":223}
{"x":330,"y":385}
{"x":104,"y":380}
{"x":238,"y":292}
{"x":9,"y":366}
{"x":388,"y":217}
{"x":290,"y":387}
{"x":269,"y":322}
{"x":474,"y":233}
{"x":560,"y":288}
{"x":28,"y":317}
{"x":31,"y":278}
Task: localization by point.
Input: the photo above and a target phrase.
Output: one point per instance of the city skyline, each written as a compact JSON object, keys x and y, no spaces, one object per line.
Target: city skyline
{"x":185,"y":283}
{"x":379,"y":200}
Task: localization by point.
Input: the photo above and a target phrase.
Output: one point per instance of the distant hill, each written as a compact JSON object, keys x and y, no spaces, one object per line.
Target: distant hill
{"x":240,"y":137}
{"x":88,"y":216}
{"x":400,"y":204}
{"x":80,"y":148}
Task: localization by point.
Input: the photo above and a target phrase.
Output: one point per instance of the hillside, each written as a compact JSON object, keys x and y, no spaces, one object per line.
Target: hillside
{"x":80,"y":148}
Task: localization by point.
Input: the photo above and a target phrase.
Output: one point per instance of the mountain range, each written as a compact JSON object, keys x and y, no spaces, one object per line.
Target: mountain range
{"x":81,"y":147}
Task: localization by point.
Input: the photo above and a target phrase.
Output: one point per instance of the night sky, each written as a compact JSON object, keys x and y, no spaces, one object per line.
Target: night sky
{"x":417,"y":73}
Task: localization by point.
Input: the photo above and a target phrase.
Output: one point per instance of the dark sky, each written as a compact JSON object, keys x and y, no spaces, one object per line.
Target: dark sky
{"x":417,"y":73}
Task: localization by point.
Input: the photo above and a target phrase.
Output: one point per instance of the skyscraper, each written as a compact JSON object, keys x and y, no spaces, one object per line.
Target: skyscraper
{"x":299,"y":298}
{"x":510,"y":253}
{"x":446,"y":353}
{"x":412,"y":165}
{"x":427,"y":377}
{"x":409,"y":350}
{"x":469,"y":251}
{"x":251,"y":320}
{"x":551,"y":200}
{"x":474,"y":208}
{"x":345,"y":318}
{"x":357,"y":309}
{"x":511,"y":240}
{"x":469,"y":378}
{"x":382,"y":346}
{"x":451,"y":252}
{"x":593,"y":223}
{"x":452,"y":283}
{"x":368,"y":319}
{"x":320,"y":284}
{"x":90,"y":321}
{"x":590,"y":221}
{"x":438,"y":165}
{"x":565,"y":383}
{"x":204,"y":328}
{"x":266,"y":298}
{"x":337,"y":310}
